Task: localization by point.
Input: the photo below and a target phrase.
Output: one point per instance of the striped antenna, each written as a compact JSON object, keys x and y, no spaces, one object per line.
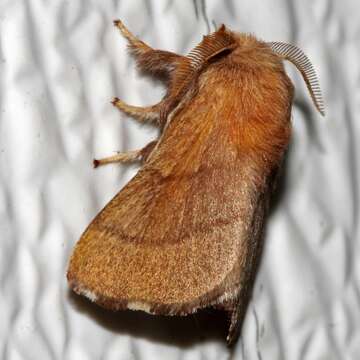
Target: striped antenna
{"x":210,"y":46}
{"x":303,"y":64}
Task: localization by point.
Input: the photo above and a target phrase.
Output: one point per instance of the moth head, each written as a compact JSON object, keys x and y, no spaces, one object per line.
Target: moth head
{"x":303,"y":64}
{"x":242,"y":46}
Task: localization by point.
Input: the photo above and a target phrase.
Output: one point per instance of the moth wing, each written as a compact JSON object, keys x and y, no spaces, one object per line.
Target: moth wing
{"x":178,"y":236}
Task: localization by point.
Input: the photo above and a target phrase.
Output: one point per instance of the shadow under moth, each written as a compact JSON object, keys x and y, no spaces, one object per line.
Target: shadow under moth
{"x":186,"y":232}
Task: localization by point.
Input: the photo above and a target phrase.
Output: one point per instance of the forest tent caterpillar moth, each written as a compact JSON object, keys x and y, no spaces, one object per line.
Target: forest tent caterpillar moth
{"x":186,"y":232}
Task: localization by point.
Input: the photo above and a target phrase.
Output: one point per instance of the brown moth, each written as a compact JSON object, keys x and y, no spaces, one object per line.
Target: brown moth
{"x":187,"y":231}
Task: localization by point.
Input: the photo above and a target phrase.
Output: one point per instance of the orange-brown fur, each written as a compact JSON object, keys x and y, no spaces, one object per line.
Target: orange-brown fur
{"x":186,"y":231}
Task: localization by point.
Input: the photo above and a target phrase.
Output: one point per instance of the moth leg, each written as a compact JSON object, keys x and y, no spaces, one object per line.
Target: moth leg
{"x":236,"y":310}
{"x":142,"y":114}
{"x":237,"y":316}
{"x":128,"y":156}
{"x":158,"y":62}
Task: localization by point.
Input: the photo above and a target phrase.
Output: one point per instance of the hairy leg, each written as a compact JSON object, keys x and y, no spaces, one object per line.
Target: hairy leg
{"x":158,"y":62}
{"x":143,"y":114}
{"x":129,"y":156}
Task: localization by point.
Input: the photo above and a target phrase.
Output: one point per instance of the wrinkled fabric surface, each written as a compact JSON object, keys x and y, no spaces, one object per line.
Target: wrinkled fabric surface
{"x":61,"y":62}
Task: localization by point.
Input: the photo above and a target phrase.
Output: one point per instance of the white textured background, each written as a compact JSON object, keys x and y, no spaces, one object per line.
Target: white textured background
{"x":61,"y":62}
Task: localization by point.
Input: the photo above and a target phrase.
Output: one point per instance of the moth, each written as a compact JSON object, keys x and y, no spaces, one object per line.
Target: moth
{"x":186,"y":232}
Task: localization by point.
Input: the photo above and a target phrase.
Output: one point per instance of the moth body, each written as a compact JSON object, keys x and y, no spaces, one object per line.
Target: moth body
{"x":187,"y":231}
